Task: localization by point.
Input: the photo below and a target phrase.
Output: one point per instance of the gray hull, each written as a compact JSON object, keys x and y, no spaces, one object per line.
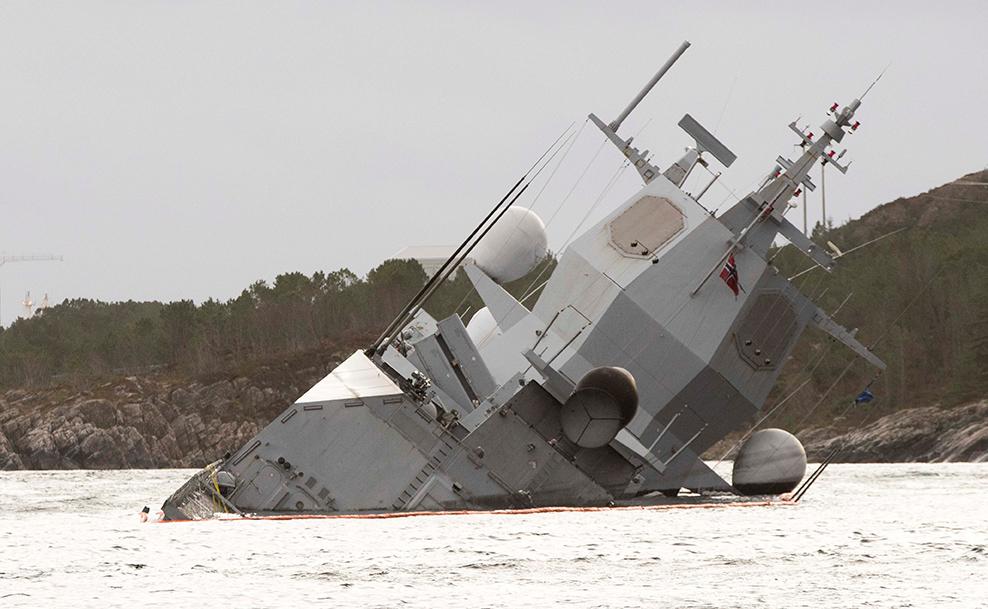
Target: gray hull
{"x":380,"y":451}
{"x":661,"y":331}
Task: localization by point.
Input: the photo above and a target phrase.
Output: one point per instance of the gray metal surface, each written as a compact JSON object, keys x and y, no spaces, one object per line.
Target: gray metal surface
{"x":706,"y":141}
{"x":432,"y":421}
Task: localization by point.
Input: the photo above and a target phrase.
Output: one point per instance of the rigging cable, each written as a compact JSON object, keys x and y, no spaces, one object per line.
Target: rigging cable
{"x":839,"y":307}
{"x":429,"y":285}
{"x":529,"y":291}
{"x":577,"y":182}
{"x":572,"y":139}
{"x":837,"y":450}
{"x":808,"y":301}
{"x":442,"y":277}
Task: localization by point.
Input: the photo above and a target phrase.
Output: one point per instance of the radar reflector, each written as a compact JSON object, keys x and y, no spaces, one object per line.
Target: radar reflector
{"x":706,"y":142}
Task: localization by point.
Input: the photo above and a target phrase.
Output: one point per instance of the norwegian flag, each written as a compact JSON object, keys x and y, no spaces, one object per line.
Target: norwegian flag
{"x":730,"y":275}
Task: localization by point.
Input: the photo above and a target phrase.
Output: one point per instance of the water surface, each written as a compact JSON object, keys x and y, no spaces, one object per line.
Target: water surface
{"x":864,"y":536}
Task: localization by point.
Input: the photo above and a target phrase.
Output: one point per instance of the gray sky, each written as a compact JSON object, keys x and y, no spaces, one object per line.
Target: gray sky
{"x":183,"y":150}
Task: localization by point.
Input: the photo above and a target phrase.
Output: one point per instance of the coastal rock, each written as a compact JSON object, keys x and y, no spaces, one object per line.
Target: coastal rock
{"x":930,"y":434}
{"x":99,"y":447}
{"x":143,"y":422}
{"x":41,"y":450}
{"x":158,"y":421}
{"x":98,"y":412}
{"x":8,"y":458}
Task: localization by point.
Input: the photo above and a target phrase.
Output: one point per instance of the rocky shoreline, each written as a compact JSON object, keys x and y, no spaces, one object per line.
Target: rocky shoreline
{"x":150,"y":422}
{"x":931,"y":434}
{"x":155,"y":422}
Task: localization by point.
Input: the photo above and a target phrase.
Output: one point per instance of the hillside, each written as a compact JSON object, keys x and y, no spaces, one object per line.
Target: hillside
{"x":154,"y":420}
{"x":92,"y":384}
{"x":920,"y":297}
{"x":115,"y":385}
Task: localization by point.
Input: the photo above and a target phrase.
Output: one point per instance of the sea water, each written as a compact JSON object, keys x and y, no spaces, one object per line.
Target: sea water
{"x":864,"y":536}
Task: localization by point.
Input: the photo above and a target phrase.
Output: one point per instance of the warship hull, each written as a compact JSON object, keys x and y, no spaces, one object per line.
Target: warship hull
{"x":662,"y":330}
{"x":356,"y":443}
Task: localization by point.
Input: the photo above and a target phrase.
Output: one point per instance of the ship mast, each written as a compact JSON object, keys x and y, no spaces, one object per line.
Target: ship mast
{"x":788,"y":179}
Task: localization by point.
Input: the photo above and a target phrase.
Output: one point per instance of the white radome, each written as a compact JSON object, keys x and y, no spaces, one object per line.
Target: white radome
{"x":513,"y":247}
{"x":482,"y":327}
{"x":770,"y":462}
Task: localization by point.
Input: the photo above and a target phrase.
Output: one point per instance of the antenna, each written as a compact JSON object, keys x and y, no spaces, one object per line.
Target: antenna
{"x":706,"y":141}
{"x":875,"y":82}
{"x":843,"y":253}
{"x":637,"y":158}
{"x":805,"y":229}
{"x":616,"y":123}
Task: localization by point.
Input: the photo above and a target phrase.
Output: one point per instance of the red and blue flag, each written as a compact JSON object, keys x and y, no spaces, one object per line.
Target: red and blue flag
{"x":730,"y":275}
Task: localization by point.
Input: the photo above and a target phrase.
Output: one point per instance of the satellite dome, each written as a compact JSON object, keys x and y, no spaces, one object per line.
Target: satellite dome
{"x":513,"y":246}
{"x":605,"y":400}
{"x":770,"y":462}
{"x":482,"y":327}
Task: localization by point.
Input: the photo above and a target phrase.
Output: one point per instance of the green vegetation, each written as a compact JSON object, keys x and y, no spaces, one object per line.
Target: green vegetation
{"x":82,"y":340}
{"x":920,"y":296}
{"x":936,"y":271}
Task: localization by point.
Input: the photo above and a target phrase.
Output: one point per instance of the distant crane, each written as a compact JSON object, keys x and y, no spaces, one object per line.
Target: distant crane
{"x":30,"y":310}
{"x":35,"y":258}
{"x":39,"y":258}
{"x":28,"y":305}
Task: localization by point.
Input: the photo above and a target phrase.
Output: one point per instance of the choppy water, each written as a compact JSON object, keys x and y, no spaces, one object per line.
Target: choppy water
{"x":865,"y":535}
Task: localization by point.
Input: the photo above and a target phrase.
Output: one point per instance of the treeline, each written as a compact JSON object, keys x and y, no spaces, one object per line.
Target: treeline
{"x":919,"y":296}
{"x":79,"y":340}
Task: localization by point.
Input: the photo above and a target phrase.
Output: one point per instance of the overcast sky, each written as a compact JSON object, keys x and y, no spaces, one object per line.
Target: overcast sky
{"x":176,"y":150}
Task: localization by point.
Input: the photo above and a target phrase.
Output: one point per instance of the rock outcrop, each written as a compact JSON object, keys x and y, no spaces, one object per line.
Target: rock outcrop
{"x":148,"y":422}
{"x":156,"y":421}
{"x":930,"y":434}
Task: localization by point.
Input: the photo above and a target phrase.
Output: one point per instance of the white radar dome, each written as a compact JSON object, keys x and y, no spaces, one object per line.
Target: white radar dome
{"x":482,"y":327}
{"x":513,"y":246}
{"x":770,"y":462}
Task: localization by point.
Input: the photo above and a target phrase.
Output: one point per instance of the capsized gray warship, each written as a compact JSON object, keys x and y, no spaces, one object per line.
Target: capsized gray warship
{"x":661,"y":330}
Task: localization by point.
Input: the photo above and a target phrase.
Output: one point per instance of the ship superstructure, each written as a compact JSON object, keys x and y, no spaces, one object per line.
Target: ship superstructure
{"x":661,"y":330}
